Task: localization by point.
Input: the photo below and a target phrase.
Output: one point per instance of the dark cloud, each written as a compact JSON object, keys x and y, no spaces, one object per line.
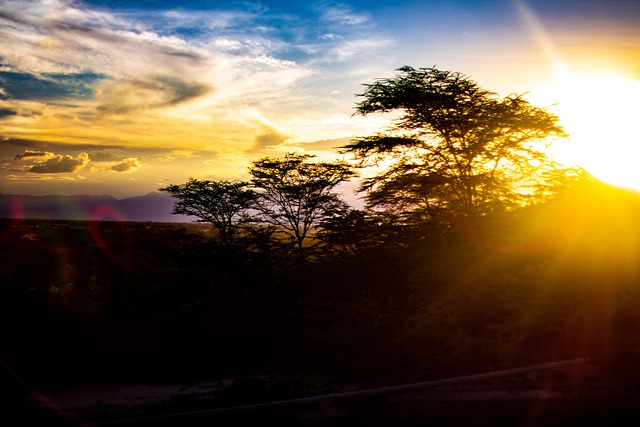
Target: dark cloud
{"x":48,"y":162}
{"x":178,"y":54}
{"x":61,"y":164}
{"x":11,"y":17}
{"x":325,"y":144}
{"x":126,"y":165}
{"x":123,"y":96}
{"x":7,"y":112}
{"x":104,"y":157}
{"x":57,"y":146}
{"x":101,"y":152}
{"x":183,"y":91}
{"x":269,"y":138}
{"x":47,"y":86}
{"x":31,"y":154}
{"x":10,"y":146}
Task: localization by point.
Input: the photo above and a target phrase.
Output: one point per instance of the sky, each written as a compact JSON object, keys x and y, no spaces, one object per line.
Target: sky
{"x":124,"y":97}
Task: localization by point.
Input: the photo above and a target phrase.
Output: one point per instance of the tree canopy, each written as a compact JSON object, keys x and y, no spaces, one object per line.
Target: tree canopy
{"x":456,"y":148}
{"x":295,"y":194}
{"x":221,"y":203}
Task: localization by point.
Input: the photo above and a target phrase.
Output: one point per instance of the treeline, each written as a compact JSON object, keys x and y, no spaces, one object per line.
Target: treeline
{"x":475,"y":249}
{"x":456,"y":150}
{"x":165,"y":302}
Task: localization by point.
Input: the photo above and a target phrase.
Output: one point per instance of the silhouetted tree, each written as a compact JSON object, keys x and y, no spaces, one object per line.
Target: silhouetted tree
{"x":355,"y":230}
{"x":559,"y":180}
{"x":295,"y":194}
{"x":456,"y":149}
{"x":222,"y":203}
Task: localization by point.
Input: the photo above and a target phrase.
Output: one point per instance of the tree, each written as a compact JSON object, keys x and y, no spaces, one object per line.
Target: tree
{"x":295,"y":194}
{"x":456,"y":149}
{"x":354,"y":230}
{"x":222,"y":203}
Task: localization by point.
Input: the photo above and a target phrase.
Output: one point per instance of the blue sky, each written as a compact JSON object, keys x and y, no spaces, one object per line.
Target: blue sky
{"x":123,"y":97}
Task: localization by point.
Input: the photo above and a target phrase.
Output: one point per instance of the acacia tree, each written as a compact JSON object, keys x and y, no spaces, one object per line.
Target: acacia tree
{"x":455,"y":149}
{"x":295,"y":194}
{"x":222,"y":203}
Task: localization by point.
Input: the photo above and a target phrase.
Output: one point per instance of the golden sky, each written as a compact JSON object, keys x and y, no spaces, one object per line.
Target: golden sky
{"x":123,"y":97}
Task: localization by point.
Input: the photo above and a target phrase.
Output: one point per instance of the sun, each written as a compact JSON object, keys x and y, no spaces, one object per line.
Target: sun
{"x":601,"y":114}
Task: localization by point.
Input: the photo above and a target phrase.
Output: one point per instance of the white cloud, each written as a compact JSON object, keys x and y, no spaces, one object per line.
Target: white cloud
{"x":331,"y":36}
{"x":212,"y":20}
{"x":56,"y":36}
{"x":62,"y":37}
{"x":359,"y":48}
{"x":342,"y":14}
{"x":227,"y":44}
{"x":192,"y":75}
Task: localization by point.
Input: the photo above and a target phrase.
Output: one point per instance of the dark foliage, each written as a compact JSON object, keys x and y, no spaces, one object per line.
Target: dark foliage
{"x":224,"y":204}
{"x":457,"y":149}
{"x":167,"y":302}
{"x":295,"y":194}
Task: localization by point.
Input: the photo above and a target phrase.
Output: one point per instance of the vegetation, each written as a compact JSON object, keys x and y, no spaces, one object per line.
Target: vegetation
{"x":225,"y":204}
{"x":168,"y":302}
{"x":287,"y":195}
{"x":457,"y":149}
{"x":447,"y":278}
{"x":296,"y":194}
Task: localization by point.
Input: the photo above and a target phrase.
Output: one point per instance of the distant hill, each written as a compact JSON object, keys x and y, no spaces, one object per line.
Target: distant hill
{"x":154,"y":207}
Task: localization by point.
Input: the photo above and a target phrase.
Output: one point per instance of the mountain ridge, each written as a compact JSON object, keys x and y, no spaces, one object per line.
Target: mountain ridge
{"x":152,"y":207}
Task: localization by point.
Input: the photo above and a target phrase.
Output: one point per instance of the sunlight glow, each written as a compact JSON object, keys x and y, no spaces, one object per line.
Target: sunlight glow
{"x":599,"y":112}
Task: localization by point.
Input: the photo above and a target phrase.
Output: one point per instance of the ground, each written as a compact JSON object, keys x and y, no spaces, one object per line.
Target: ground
{"x":571,"y":394}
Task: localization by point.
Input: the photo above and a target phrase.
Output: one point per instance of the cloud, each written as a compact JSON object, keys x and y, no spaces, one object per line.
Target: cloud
{"x":103,"y":157}
{"x":31,"y":154}
{"x":44,"y":162}
{"x":201,"y":22}
{"x":227,"y":44}
{"x":330,"y":36}
{"x":108,"y":162}
{"x":358,"y":48}
{"x":324,"y":145}
{"x":47,"y":86}
{"x":342,"y":14}
{"x":61,"y":164}
{"x":123,"y":96}
{"x":166,"y":159}
{"x":268,"y":139}
{"x":124,"y":53}
{"x":7,"y":112}
{"x":34,"y":148}
{"x":47,"y":162}
{"x":68,"y":37}
{"x":151,"y":78}
{"x":126,"y":165}
{"x":176,"y":154}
